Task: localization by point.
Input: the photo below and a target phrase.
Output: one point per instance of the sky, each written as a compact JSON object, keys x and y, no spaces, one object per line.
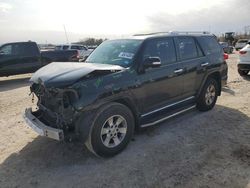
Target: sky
{"x":43,"y":21}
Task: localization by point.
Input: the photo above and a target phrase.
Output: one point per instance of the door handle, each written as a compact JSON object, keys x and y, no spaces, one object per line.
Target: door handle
{"x":204,"y":64}
{"x":178,"y":71}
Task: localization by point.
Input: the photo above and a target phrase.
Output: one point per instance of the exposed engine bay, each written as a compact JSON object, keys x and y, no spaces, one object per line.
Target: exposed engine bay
{"x":54,"y":106}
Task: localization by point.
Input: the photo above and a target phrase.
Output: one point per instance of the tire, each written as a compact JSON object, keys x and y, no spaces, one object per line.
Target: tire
{"x":208,"y":95}
{"x":108,"y":138}
{"x":243,"y":72}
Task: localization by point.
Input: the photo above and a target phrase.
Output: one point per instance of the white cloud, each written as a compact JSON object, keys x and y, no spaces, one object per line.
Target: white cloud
{"x":5,"y":7}
{"x":42,"y":20}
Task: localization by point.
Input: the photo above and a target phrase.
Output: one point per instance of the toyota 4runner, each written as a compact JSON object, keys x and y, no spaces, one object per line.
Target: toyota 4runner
{"x":127,"y":84}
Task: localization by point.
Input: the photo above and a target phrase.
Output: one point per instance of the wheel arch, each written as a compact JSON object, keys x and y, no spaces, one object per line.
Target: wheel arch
{"x":131,"y":106}
{"x":215,"y":75}
{"x":89,"y":115}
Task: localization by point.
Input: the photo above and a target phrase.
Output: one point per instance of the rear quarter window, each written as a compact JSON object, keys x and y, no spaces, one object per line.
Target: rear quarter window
{"x":209,"y":45}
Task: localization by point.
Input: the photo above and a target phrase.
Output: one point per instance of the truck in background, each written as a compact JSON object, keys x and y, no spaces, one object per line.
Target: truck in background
{"x":26,"y":57}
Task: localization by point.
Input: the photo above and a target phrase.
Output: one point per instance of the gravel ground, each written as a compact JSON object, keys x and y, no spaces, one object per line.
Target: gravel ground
{"x":210,"y":149}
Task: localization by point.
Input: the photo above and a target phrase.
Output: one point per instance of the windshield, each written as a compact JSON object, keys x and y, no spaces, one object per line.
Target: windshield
{"x":115,"y":52}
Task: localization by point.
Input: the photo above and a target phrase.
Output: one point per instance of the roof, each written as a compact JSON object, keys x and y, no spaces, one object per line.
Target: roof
{"x":171,"y":33}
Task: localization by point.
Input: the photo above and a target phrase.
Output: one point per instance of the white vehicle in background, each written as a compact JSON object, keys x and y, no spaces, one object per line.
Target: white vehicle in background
{"x":83,"y":51}
{"x":244,"y":63}
{"x":71,"y":47}
{"x":241,"y":43}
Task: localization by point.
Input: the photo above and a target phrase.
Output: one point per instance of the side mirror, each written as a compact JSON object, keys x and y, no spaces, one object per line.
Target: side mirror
{"x":152,"y":62}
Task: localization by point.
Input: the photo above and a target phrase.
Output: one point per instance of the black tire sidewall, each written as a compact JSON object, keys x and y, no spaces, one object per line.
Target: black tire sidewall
{"x":114,"y":109}
{"x":242,"y":72}
{"x":201,"y":103}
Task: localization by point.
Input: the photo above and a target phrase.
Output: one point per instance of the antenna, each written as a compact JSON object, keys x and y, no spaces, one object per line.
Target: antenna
{"x":66,"y":34}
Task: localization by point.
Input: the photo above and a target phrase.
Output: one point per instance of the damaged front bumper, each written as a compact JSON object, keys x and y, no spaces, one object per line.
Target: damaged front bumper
{"x":41,"y":128}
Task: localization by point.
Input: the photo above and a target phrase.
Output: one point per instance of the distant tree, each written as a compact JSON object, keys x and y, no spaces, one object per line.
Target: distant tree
{"x":91,"y":41}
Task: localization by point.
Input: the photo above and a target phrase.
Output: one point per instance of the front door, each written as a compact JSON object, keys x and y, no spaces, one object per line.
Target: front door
{"x":162,"y":85}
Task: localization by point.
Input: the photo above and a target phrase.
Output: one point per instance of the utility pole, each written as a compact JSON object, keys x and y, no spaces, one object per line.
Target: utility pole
{"x":66,"y":34}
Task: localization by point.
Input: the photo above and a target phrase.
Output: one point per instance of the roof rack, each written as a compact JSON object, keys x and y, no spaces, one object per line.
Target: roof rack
{"x":175,"y":33}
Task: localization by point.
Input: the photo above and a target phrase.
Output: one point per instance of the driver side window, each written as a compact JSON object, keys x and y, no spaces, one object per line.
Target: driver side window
{"x":6,"y":50}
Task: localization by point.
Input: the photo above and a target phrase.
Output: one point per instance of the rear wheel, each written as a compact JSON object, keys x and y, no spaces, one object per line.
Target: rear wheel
{"x":243,"y":72}
{"x":208,"y":95}
{"x":111,"y":131}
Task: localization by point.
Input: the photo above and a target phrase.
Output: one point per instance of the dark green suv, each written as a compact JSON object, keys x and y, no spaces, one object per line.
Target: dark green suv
{"x":127,"y":84}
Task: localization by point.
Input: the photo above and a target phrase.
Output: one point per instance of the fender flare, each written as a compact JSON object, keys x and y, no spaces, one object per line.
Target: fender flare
{"x":209,"y":74}
{"x":85,"y":118}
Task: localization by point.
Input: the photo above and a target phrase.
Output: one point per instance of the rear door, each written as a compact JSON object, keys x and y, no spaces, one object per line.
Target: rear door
{"x":193,"y":63}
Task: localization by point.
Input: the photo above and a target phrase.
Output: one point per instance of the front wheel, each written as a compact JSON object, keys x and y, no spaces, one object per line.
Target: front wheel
{"x":243,"y":72}
{"x":208,"y":95}
{"x":111,"y":131}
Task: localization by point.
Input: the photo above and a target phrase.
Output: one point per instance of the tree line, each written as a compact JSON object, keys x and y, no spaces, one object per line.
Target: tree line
{"x":90,"y":41}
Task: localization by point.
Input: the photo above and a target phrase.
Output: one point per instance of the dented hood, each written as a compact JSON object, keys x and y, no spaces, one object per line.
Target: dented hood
{"x":62,"y":74}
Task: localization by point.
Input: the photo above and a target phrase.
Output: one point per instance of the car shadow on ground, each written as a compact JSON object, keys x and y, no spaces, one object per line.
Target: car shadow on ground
{"x":13,"y":83}
{"x":43,"y":158}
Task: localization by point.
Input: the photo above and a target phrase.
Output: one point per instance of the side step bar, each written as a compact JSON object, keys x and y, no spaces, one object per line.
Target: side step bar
{"x":168,"y":117}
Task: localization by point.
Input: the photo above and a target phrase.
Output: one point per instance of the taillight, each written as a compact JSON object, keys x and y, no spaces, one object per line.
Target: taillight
{"x":225,"y":56}
{"x":242,"y":52}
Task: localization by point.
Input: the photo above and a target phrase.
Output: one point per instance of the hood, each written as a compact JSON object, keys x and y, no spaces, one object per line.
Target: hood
{"x":62,"y":74}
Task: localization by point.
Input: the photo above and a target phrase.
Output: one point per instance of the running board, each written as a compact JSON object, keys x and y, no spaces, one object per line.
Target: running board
{"x":168,"y":117}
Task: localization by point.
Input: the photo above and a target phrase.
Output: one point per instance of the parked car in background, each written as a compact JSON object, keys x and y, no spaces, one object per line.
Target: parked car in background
{"x":126,"y":84}
{"x":241,"y":43}
{"x":26,"y":57}
{"x":226,"y":47}
{"x":71,"y":47}
{"x":83,"y":51}
{"x":244,"y":62}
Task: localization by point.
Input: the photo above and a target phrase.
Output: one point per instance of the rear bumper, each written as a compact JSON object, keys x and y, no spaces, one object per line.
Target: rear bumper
{"x":41,"y":128}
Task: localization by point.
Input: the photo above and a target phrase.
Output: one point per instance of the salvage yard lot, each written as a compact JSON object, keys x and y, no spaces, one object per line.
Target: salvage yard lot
{"x":210,"y":149}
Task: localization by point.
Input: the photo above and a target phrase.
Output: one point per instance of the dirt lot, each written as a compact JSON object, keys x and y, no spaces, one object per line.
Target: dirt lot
{"x":210,"y":149}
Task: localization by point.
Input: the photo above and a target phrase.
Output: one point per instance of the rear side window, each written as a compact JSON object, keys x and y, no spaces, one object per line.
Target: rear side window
{"x":65,"y":47}
{"x":58,"y":47}
{"x":28,"y":49}
{"x":187,"y":48}
{"x":75,"y":47}
{"x":163,"y":48}
{"x":209,"y":45}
